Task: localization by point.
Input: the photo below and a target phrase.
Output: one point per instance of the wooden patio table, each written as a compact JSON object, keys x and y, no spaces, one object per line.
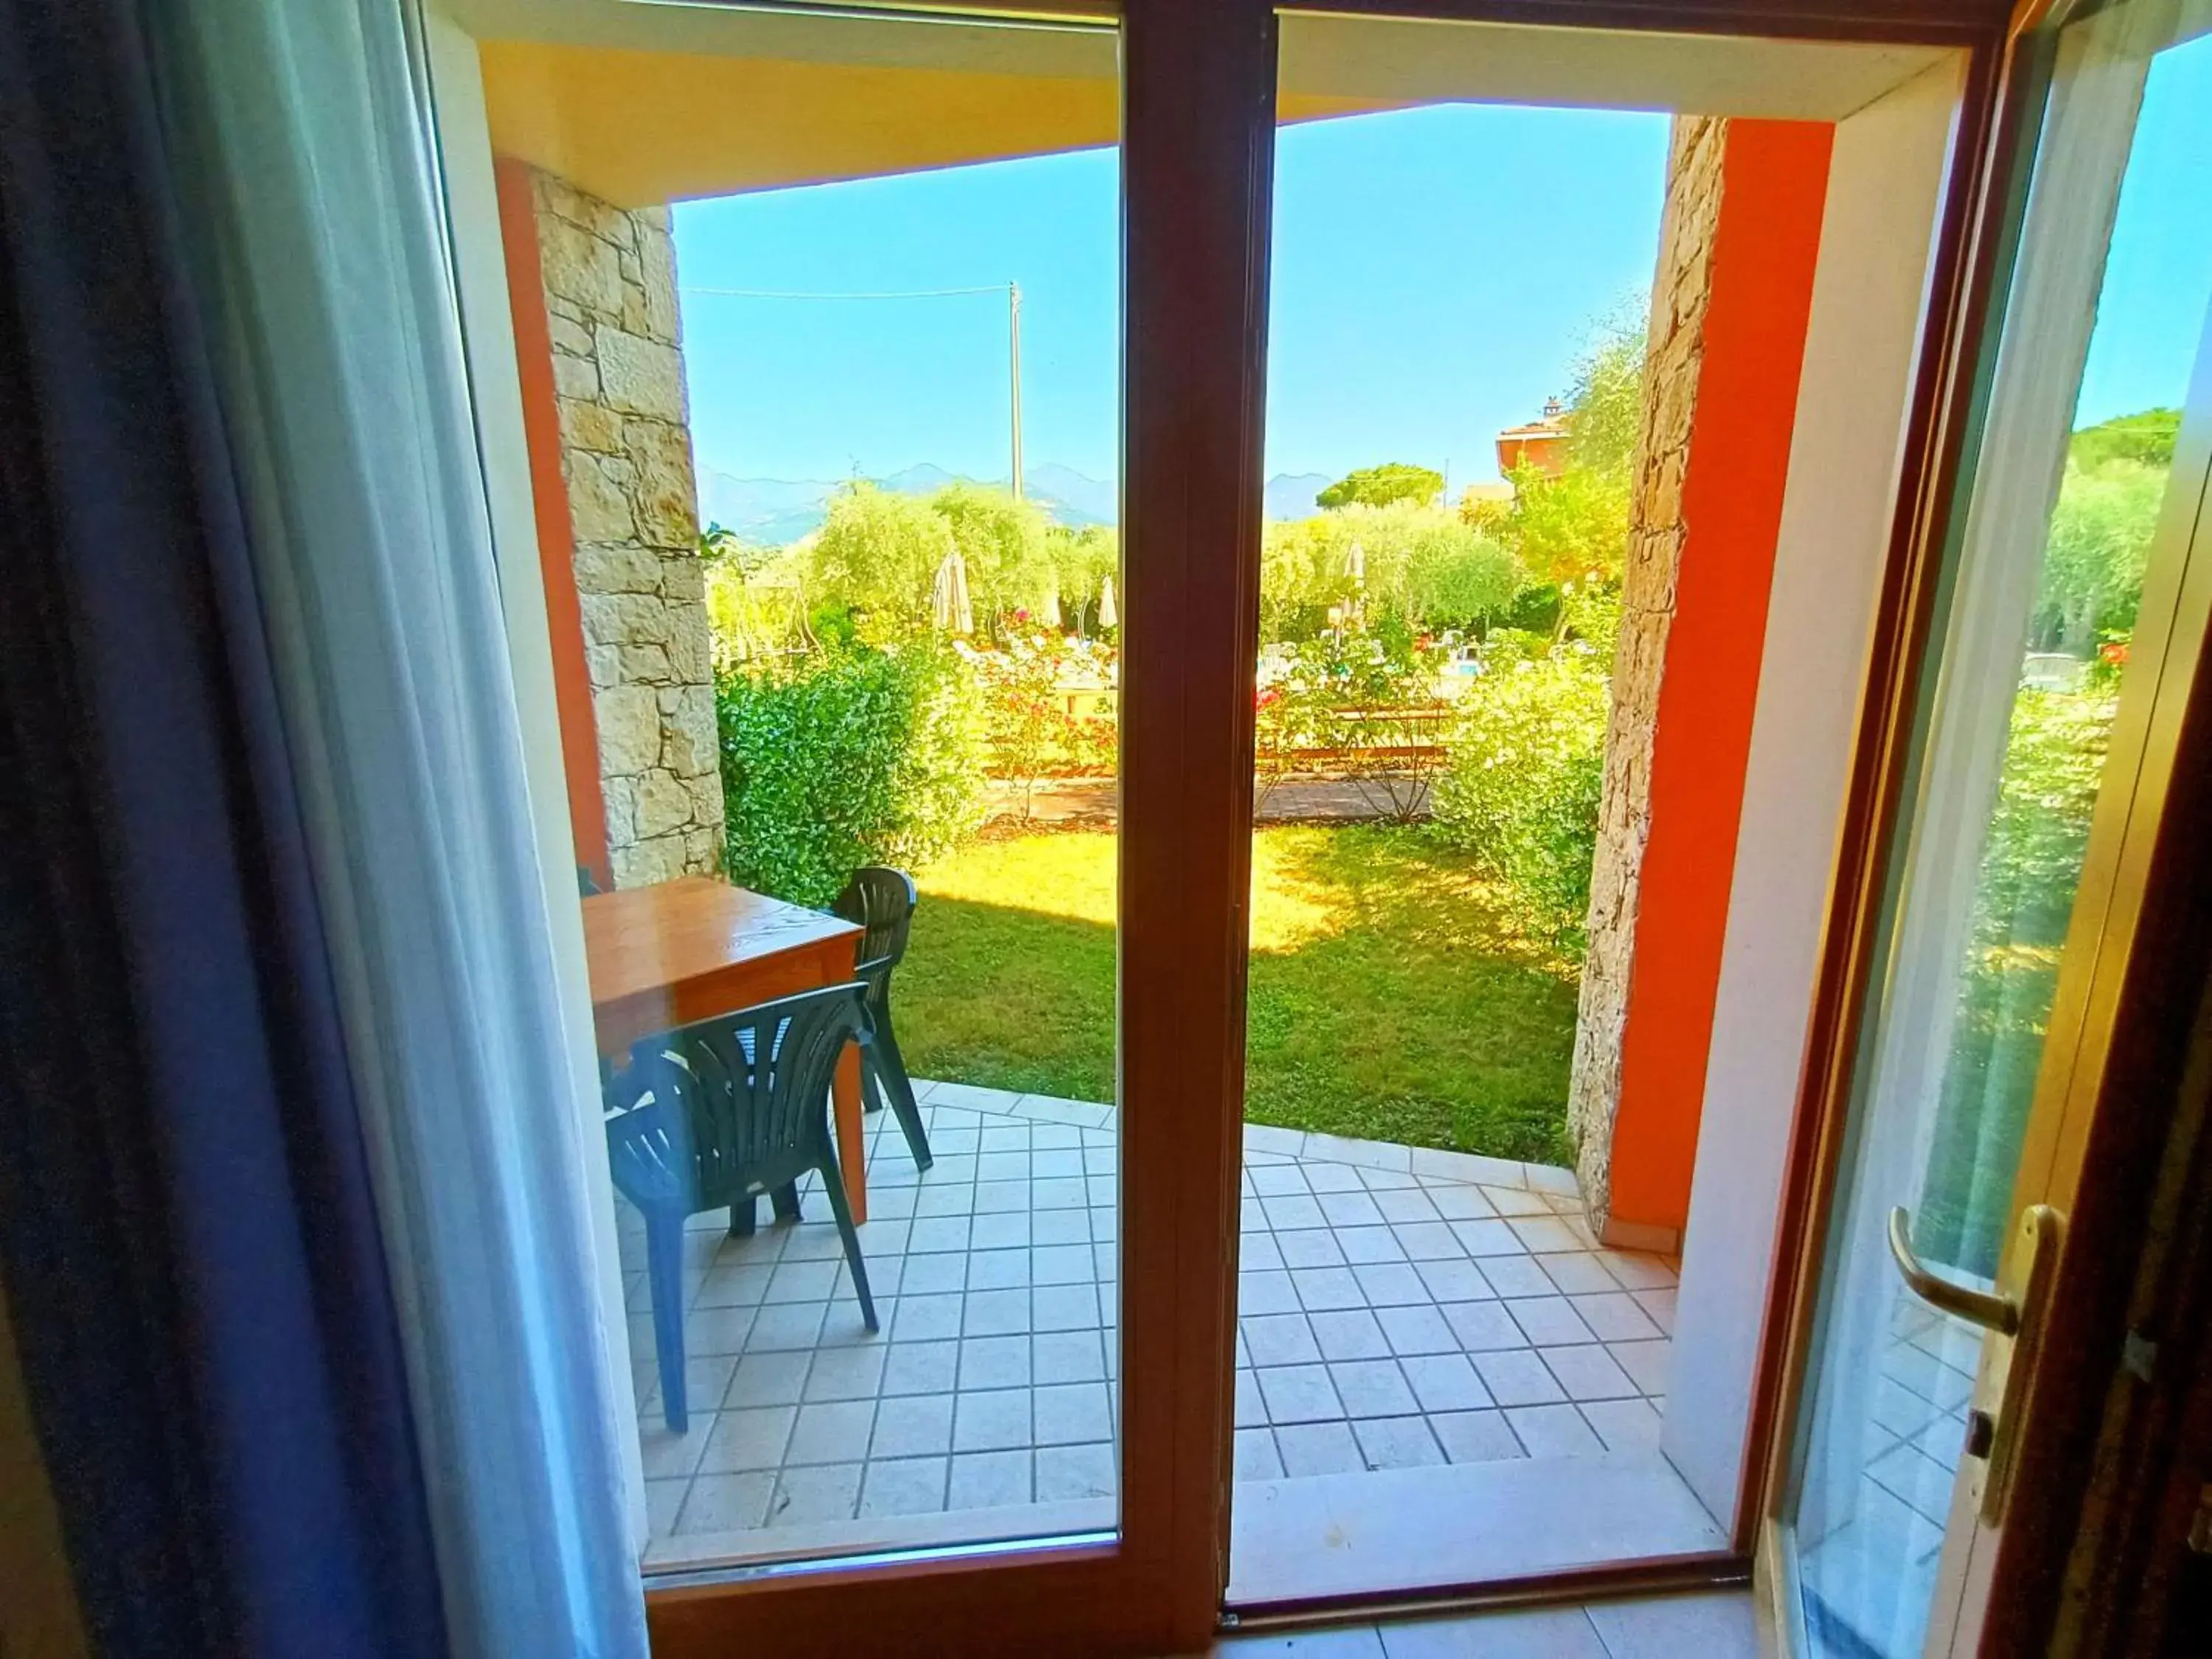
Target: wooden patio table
{"x":680,"y":950}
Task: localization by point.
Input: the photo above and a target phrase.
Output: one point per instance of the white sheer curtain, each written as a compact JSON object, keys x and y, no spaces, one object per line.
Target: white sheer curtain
{"x":1869,"y":1565}
{"x":301,"y":130}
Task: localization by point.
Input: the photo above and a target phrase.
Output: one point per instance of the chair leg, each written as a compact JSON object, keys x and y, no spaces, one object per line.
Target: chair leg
{"x":785,"y":1198}
{"x":890,"y":1068}
{"x":663,"y":1261}
{"x":742,"y":1219}
{"x":872,"y":1096}
{"x":833,"y":1182}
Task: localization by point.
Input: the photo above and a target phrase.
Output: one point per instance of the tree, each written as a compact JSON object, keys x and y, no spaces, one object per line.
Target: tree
{"x":878,"y":551}
{"x":1082,"y":561}
{"x":2148,"y":437}
{"x":1005,"y":543}
{"x":1572,"y":525}
{"x":1605,"y":407}
{"x":1421,"y":562}
{"x":756,"y":605}
{"x":1456,"y":576}
{"x":1382,"y":486}
{"x":2093,"y":560}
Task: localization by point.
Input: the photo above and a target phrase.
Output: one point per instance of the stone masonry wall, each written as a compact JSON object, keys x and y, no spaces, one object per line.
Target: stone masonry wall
{"x":1655,"y":536}
{"x":610,"y":279}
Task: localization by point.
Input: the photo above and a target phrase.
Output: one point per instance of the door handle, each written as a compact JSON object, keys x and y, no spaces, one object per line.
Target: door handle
{"x":1991,"y":1309}
{"x":2016,"y":1322}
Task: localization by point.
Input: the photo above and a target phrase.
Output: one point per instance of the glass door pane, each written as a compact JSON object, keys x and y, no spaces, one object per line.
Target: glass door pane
{"x":815,"y":336}
{"x":2027,"y":745}
{"x":1562,"y":402}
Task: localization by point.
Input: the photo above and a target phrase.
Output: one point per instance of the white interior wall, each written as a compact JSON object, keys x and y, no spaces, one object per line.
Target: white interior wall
{"x":1870,"y":294}
{"x":488,"y":327}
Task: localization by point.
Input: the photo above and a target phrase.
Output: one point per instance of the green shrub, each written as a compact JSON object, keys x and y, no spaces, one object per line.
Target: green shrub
{"x":2030,"y":864}
{"x":1521,"y":791}
{"x":844,"y":758}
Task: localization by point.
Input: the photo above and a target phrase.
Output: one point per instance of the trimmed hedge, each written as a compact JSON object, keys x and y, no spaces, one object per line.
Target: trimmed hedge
{"x":844,"y":758}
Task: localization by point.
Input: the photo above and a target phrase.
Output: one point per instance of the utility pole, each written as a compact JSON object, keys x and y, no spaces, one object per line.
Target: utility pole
{"x":1014,"y":365}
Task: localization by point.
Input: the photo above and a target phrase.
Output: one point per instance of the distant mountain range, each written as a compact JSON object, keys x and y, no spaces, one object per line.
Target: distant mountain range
{"x":774,"y":512}
{"x":1291,"y":494}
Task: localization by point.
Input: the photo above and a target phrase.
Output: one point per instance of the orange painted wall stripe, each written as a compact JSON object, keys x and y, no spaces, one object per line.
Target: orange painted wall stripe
{"x":548,"y":494}
{"x":1767,"y":244}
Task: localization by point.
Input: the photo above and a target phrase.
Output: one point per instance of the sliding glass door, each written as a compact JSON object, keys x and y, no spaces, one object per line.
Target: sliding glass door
{"x":2074,"y":619}
{"x":878,"y":613}
{"x":872,"y":408}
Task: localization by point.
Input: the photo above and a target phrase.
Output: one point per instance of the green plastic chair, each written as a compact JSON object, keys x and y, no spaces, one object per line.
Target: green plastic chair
{"x":882,"y":900}
{"x":718,"y":1113}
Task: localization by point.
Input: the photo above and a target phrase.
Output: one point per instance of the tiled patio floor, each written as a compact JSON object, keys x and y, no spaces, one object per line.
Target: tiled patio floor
{"x":1400,"y":1308}
{"x":1873,"y":1573}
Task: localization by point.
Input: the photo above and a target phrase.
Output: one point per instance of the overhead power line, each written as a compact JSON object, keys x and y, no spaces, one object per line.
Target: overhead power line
{"x":796,"y":294}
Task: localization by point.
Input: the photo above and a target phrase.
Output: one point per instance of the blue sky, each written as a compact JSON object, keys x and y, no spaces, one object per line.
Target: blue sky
{"x":2158,"y":280}
{"x":1435,"y":274}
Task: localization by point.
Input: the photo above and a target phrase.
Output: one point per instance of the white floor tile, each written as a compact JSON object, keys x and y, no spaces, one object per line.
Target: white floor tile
{"x":1475,"y":1436}
{"x":912,"y":1425}
{"x":1553,"y":1432}
{"x":1534,"y":1633}
{"x":1257,"y":1458}
{"x":1395,"y":1315}
{"x":1298,"y":1394}
{"x":920,"y":1368}
{"x":1515,"y":1376}
{"x":1372,"y":1388}
{"x":1067,"y":1413}
{"x":982,"y":1480}
{"x":995,"y":1421}
{"x":905,"y":1486}
{"x":1715,"y":1626}
{"x":1397,"y":1443}
{"x":1067,"y":1472}
{"x":726,"y":1502}
{"x":1318,"y":1449}
{"x":1348,"y":1334}
{"x":1444,"y":1383}
{"x":806,"y":1497}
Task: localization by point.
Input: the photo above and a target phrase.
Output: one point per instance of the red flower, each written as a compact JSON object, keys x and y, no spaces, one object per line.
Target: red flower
{"x":2114,"y":653}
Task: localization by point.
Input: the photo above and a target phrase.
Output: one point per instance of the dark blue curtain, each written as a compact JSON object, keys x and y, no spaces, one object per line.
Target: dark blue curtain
{"x":200,"y":1301}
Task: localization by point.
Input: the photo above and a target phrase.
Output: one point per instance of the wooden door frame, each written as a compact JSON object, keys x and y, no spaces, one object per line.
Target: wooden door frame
{"x":1971,"y":254}
{"x":1197,"y":146}
{"x":1198,"y":122}
{"x":1985,"y":196}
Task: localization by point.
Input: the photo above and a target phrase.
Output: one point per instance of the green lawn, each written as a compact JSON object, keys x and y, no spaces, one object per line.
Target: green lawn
{"x":1391,"y":998}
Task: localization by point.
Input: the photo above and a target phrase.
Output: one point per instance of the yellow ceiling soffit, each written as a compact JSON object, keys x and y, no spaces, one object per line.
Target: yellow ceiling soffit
{"x":637,"y":128}
{"x":642,"y":127}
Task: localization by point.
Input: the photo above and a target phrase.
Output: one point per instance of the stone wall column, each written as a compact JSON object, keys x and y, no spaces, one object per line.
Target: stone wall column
{"x":610,"y":275}
{"x":1656,"y":535}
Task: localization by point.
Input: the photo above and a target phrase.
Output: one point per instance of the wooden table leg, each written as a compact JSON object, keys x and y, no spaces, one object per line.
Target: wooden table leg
{"x":851,"y":1145}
